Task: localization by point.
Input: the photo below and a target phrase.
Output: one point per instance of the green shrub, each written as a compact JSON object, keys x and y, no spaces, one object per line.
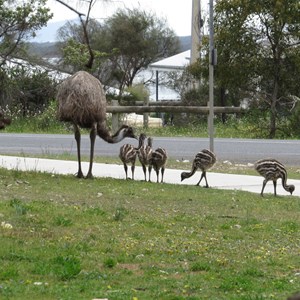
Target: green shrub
{"x":109,"y":263}
{"x":65,"y":267}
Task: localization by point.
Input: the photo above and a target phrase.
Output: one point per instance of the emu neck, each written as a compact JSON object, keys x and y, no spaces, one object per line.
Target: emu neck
{"x":141,"y":143}
{"x":104,"y":133}
{"x":189,"y":174}
{"x":284,"y":179}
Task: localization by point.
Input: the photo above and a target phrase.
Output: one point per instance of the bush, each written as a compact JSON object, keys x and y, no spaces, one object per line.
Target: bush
{"x":30,"y":90}
{"x":293,"y":123}
{"x":48,"y":117}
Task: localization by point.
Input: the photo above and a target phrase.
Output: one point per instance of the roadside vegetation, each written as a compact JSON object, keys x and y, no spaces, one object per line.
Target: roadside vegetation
{"x":63,"y":238}
{"x":249,"y":124}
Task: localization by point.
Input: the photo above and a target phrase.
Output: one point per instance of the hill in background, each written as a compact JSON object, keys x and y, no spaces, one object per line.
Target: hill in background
{"x":48,"y":34}
{"x":50,"y":49}
{"x":45,"y":50}
{"x":185,"y":42}
{"x":43,"y":44}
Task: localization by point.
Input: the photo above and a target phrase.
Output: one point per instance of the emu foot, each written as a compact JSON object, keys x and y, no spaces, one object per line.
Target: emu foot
{"x":79,"y":175}
{"x":89,"y":176}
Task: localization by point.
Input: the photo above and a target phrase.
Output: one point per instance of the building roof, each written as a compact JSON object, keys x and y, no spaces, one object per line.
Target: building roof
{"x":172,"y":63}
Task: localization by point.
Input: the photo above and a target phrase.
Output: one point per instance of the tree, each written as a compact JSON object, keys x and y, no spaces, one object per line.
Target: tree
{"x":75,"y":50}
{"x":126,"y":44}
{"x":258,"y":54}
{"x":19,"y":21}
{"x":32,"y":89}
{"x":135,"y":39}
{"x":84,"y":22}
{"x":258,"y":42}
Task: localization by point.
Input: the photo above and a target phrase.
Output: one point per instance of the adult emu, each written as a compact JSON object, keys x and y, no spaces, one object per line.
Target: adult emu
{"x":82,"y":102}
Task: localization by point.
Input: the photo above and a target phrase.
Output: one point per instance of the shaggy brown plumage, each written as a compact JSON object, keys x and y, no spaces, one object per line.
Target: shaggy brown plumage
{"x":82,"y":102}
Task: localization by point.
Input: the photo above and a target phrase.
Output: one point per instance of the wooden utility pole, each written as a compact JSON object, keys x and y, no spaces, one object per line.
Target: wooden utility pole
{"x":212,"y":63}
{"x":196,"y":30}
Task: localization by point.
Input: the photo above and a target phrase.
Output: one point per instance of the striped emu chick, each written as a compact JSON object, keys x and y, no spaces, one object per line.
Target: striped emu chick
{"x":158,"y":161}
{"x":271,"y":169}
{"x":128,"y":154}
{"x":144,"y":154}
{"x":203,"y":160}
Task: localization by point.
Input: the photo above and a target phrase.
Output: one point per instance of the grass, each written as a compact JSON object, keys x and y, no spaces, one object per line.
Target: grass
{"x":244,"y":126}
{"x":64,"y":238}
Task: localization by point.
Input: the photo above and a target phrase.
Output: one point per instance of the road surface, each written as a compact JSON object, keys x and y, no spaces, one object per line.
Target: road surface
{"x":182,"y":148}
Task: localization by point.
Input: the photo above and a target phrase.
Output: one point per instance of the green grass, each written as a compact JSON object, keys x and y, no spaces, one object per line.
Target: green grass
{"x":64,"y":238}
{"x":244,"y":126}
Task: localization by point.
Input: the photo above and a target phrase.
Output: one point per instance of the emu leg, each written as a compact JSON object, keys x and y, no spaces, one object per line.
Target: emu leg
{"x":157,"y":174}
{"x":77,"y":138}
{"x":263,"y":187}
{"x":132,"y":171}
{"x":93,"y":134}
{"x":275,"y":184}
{"x":207,"y":186}
{"x":125,"y":168}
{"x":162,"y":174}
{"x":149,"y":171}
{"x":144,"y":170}
{"x":202,"y":175}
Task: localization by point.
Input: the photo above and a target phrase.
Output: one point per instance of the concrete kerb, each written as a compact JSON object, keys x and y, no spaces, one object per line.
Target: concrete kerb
{"x":215,"y":180}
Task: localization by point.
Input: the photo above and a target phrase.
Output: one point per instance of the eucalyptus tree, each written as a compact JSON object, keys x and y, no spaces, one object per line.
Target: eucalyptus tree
{"x":135,"y":39}
{"x":19,"y":21}
{"x":73,"y":44}
{"x":85,"y":20}
{"x":123,"y":45}
{"x":258,"y":43}
{"x":258,"y":55}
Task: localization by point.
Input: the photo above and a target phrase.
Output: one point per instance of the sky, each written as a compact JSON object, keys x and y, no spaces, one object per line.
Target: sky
{"x":177,"y":12}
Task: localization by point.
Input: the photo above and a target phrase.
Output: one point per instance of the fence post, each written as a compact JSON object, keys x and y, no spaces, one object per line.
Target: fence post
{"x":115,"y":117}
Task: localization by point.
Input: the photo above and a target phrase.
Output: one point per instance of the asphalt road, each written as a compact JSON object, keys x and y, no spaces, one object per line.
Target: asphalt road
{"x":234,"y":150}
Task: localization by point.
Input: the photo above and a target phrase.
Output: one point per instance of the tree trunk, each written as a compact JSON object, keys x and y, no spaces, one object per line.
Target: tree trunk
{"x":272,"y":123}
{"x":273,"y":110}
